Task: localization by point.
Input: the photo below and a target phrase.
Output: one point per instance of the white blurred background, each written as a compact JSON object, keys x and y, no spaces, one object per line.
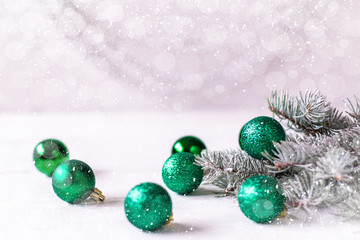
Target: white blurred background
{"x":174,"y":55}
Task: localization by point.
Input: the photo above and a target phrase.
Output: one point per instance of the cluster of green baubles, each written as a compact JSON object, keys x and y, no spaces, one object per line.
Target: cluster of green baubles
{"x":148,"y":206}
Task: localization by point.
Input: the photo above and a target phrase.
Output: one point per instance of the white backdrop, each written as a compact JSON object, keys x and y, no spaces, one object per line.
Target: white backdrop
{"x":77,"y":55}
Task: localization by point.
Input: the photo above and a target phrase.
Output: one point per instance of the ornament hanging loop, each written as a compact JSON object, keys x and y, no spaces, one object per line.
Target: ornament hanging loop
{"x":97,"y":196}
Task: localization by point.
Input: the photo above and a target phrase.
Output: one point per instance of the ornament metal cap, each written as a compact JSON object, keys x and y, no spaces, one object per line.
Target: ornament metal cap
{"x":283,"y":213}
{"x":171,"y":218}
{"x":97,"y":196}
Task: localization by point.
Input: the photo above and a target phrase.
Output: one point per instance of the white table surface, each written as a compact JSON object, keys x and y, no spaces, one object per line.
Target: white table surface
{"x":125,"y":149}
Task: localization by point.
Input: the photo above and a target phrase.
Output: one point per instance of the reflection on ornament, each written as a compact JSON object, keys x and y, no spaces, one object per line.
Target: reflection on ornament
{"x":49,"y":154}
{"x":261,"y":198}
{"x":188,"y":144}
{"x":74,"y":181}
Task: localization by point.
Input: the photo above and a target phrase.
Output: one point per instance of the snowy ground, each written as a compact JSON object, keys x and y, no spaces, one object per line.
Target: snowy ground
{"x":124,"y":150}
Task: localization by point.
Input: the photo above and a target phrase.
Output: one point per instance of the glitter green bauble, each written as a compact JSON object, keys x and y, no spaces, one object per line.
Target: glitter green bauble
{"x":189,"y":144}
{"x":261,"y":199}
{"x":148,"y":206}
{"x":73,"y":181}
{"x":180,"y":174}
{"x":49,"y":154}
{"x":258,"y":135}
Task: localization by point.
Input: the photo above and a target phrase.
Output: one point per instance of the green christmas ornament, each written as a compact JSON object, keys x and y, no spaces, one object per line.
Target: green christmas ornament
{"x":74,"y":181}
{"x":258,"y":135}
{"x":189,"y":144}
{"x":180,"y":174}
{"x":261,"y":198}
{"x":148,"y":206}
{"x":49,"y":154}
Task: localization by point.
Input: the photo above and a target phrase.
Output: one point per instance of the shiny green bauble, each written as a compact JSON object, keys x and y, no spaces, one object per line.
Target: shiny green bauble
{"x":258,"y":135}
{"x":49,"y":154}
{"x":73,"y":181}
{"x":189,"y":144}
{"x":148,"y":206}
{"x":261,"y":198}
{"x":180,"y":174}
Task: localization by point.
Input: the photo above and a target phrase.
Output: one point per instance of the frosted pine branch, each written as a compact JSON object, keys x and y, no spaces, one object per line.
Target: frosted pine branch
{"x":350,"y":207}
{"x":309,"y":113}
{"x":329,"y":168}
{"x":354,"y":108}
{"x":292,"y":154}
{"x":309,"y":152}
{"x":317,"y":166}
{"x":351,"y":141}
{"x":324,"y":157}
{"x":347,"y":139}
{"x":337,"y":163}
{"x":228,"y":169}
{"x":298,"y":151}
{"x":303,"y":190}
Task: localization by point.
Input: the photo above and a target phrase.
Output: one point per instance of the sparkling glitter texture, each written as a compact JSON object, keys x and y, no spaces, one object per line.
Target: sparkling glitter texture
{"x":73,"y":181}
{"x":148,"y":206}
{"x":49,"y":154}
{"x":261,"y":199}
{"x":180,"y":174}
{"x":258,"y":135}
{"x":188,"y":144}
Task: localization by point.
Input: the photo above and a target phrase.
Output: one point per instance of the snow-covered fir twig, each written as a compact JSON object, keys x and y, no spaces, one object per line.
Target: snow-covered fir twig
{"x":331,"y":160}
{"x":309,"y":151}
{"x":337,"y":163}
{"x":321,"y":171}
{"x":349,"y":208}
{"x":354,"y":108}
{"x":317,"y":166}
{"x":292,"y":155}
{"x":303,"y":190}
{"x":309,"y":113}
{"x":228,"y":169}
